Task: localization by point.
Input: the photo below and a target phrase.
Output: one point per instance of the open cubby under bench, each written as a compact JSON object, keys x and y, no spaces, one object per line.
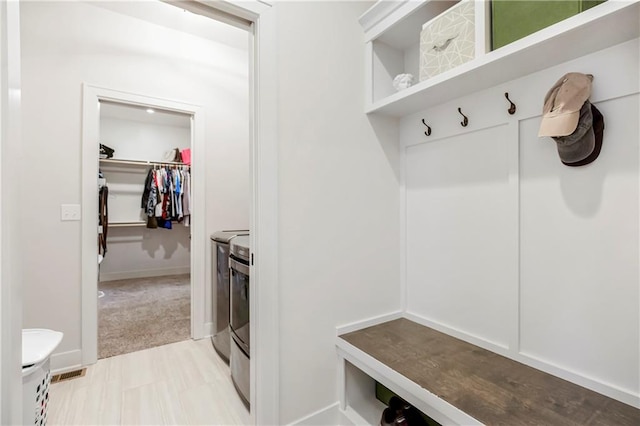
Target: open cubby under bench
{"x":455,"y":382}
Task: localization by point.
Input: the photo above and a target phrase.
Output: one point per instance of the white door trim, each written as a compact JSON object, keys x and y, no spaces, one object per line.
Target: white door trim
{"x":264,"y":289}
{"x":11,"y":253}
{"x":264,"y":219}
{"x":265,"y":367}
{"x":264,"y":309}
{"x":92,"y":95}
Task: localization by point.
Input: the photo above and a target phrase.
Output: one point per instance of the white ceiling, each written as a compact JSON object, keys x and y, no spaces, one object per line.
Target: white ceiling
{"x":140,"y":114}
{"x":169,"y":16}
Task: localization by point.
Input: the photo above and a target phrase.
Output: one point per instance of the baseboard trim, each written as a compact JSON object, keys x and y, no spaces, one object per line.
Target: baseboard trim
{"x":357,"y":325}
{"x":144,"y":273}
{"x":66,"y":361}
{"x":208,"y":329}
{"x":330,"y":415}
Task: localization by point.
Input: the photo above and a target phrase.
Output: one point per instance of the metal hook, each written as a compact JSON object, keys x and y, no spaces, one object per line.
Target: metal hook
{"x":464,"y":122}
{"x":428,"y":132}
{"x":512,"y":108}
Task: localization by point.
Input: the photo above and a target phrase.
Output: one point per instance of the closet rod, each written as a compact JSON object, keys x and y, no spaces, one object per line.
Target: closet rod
{"x":126,"y":224}
{"x":142,"y":162}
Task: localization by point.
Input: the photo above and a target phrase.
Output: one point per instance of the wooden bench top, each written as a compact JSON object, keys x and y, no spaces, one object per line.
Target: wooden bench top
{"x":489,"y":387}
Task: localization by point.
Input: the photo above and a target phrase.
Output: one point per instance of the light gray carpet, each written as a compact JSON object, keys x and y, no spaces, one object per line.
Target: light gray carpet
{"x":142,"y":313}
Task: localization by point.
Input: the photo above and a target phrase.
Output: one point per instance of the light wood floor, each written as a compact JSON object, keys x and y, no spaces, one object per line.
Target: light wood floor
{"x":184,"y":383}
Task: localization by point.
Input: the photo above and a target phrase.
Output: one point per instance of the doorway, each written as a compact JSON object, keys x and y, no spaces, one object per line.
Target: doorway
{"x":264,"y":210}
{"x":126,"y":218}
{"x":144,"y":250}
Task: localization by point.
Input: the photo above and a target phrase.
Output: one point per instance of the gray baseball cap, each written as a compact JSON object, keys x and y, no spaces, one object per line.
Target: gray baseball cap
{"x":580,"y":144}
{"x":598,"y":131}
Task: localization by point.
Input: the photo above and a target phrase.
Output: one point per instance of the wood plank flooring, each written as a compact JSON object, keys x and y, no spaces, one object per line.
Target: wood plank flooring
{"x":485,"y":385}
{"x":183,"y":383}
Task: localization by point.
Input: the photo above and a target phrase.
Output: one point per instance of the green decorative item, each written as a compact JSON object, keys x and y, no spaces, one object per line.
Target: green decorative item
{"x":512,"y":20}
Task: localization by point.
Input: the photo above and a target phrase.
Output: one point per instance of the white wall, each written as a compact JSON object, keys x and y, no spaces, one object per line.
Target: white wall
{"x":67,"y":43}
{"x":512,"y":250}
{"x":136,"y":140}
{"x":137,"y":251}
{"x":338,"y":199}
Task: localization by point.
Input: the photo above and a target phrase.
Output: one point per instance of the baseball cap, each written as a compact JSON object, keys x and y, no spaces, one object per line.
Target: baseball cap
{"x":597,"y":129}
{"x":562,"y":104}
{"x":579,"y":144}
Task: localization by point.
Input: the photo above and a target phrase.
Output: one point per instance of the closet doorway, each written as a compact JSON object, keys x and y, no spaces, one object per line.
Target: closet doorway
{"x":144,"y":251}
{"x":140,"y":258}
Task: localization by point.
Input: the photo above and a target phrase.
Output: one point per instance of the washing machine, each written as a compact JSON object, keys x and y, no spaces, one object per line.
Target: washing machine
{"x":220,"y":247}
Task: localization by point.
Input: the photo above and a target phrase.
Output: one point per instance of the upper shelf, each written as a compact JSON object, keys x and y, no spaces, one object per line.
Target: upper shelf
{"x":124,"y":162}
{"x":602,"y":26}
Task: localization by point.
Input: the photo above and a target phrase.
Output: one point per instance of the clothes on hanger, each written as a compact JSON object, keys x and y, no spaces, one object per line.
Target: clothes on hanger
{"x":165,"y":190}
{"x":103,"y":219}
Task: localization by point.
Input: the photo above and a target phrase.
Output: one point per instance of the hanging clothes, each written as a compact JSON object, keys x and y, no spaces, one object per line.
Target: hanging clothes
{"x":150,"y":199}
{"x":186,"y":198}
{"x":165,"y":190}
{"x":103,"y":219}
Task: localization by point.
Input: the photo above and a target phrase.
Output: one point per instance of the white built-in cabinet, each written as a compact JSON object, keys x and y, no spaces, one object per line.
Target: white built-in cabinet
{"x":504,"y":246}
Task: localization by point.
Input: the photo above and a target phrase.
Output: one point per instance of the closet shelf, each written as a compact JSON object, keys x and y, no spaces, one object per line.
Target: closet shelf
{"x":116,"y":161}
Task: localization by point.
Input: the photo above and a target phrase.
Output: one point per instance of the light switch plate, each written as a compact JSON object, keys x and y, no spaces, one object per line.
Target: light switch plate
{"x":70,"y":212}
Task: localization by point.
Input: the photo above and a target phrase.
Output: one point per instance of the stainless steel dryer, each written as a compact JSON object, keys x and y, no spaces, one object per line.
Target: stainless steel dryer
{"x":239,"y":323}
{"x":220,"y":248}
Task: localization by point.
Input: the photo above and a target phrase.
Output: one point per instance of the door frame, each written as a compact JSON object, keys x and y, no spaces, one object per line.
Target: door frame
{"x":263,"y":285}
{"x":263,"y":216}
{"x":11,"y":249}
{"x":91,"y":97}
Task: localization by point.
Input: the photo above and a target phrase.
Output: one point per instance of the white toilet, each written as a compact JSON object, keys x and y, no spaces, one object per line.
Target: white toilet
{"x":37,"y":346}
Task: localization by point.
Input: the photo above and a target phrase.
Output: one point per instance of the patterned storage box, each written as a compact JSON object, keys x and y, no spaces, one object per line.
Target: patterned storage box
{"x":448,"y":40}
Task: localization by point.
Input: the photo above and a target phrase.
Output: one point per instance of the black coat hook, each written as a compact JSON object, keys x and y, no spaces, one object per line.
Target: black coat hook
{"x":428,"y":132}
{"x":512,"y":108}
{"x":464,"y":122}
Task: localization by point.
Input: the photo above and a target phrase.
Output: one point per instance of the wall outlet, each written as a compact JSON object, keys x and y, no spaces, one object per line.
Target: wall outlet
{"x":70,"y":212}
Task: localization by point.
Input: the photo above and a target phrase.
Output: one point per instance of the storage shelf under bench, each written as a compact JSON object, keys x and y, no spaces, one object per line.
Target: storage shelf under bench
{"x":453,"y":381}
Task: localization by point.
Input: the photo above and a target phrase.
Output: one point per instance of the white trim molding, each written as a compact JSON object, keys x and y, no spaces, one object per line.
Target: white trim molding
{"x":376,"y":13}
{"x":330,"y":415}
{"x":63,"y":362}
{"x":264,"y":351}
{"x":92,"y":95}
{"x":145,"y":273}
{"x":368,"y":322}
{"x":11,"y":254}
{"x":265,"y":319}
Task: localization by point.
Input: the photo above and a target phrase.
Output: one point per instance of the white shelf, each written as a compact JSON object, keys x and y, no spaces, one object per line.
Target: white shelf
{"x":141,"y":163}
{"x":600,"y":27}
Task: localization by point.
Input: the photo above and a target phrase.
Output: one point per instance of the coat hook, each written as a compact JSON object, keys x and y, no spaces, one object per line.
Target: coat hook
{"x":464,"y":122}
{"x":512,"y":108}
{"x":428,"y":132}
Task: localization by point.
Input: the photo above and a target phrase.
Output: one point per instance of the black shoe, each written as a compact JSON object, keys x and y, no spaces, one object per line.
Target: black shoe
{"x":388,"y":417}
{"x":105,"y":151}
